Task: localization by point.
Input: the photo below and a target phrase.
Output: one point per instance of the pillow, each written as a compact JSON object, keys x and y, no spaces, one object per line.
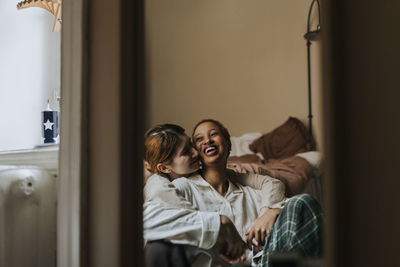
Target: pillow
{"x":240,"y":145}
{"x":287,"y":140}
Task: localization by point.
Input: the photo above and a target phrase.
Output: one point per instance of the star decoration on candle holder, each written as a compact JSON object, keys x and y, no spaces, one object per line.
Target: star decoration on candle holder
{"x":48,"y":125}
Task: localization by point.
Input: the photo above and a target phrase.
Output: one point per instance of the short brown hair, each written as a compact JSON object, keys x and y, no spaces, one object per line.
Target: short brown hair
{"x":160,"y":145}
{"x":224,"y":131}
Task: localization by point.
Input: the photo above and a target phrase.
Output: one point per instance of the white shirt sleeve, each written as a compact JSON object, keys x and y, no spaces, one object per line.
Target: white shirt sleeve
{"x":160,"y":189}
{"x":180,"y":226}
{"x":272,"y":190}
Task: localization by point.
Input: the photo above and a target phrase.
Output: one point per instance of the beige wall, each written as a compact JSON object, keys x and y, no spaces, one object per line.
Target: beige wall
{"x":241,"y":62}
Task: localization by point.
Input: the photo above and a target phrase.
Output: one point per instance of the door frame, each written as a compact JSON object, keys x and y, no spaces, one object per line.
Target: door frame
{"x":78,"y":213}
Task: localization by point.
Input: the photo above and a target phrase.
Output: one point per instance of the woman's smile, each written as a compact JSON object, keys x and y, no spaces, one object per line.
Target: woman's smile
{"x":211,"y":151}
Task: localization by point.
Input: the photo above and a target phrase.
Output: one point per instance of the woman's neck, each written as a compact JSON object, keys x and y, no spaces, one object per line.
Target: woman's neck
{"x":216,"y":177}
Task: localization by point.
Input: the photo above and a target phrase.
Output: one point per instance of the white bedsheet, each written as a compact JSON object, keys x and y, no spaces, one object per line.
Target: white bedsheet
{"x":240,"y":145}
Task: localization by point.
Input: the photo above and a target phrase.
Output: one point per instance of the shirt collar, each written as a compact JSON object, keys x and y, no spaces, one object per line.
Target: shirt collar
{"x":233,"y":188}
{"x":200,"y":181}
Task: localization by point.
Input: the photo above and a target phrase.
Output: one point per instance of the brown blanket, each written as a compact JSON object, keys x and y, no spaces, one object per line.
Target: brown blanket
{"x":294,"y":172}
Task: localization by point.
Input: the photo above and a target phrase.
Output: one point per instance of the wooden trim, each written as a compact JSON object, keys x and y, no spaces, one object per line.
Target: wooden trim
{"x":72,"y":162}
{"x":132,"y":131}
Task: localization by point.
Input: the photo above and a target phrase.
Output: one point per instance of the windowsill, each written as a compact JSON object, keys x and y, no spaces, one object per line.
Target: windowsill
{"x":45,"y":157}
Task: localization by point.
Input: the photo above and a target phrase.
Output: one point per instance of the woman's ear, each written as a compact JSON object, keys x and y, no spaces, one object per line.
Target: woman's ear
{"x":163,"y":168}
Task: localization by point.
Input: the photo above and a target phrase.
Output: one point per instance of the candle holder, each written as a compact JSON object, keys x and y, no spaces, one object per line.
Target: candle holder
{"x":49,"y":125}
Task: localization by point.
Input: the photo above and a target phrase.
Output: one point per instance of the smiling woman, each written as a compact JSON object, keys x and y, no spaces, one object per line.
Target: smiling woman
{"x":266,"y":233}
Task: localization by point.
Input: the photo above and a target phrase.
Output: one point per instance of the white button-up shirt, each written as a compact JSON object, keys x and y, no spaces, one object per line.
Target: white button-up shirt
{"x":187,"y":211}
{"x":167,"y":215}
{"x":241,"y":204}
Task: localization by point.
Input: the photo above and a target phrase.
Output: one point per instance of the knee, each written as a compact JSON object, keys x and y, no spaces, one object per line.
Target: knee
{"x":303,"y":201}
{"x":164,"y":254}
{"x":156,"y":251}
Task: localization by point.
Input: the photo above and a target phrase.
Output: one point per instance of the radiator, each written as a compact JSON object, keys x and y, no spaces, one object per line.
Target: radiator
{"x":27,"y":217}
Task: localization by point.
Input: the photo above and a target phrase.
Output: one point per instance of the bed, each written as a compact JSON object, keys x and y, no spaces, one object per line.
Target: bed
{"x":286,"y":153}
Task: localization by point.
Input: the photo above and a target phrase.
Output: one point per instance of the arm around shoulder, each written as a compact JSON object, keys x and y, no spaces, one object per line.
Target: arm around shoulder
{"x":273,"y":190}
{"x":160,"y":189}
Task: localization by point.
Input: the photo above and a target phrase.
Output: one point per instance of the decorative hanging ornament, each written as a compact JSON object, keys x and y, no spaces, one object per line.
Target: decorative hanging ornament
{"x":53,"y":6}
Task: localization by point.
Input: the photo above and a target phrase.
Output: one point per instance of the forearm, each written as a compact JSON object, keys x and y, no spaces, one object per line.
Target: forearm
{"x":180,"y":226}
{"x":271,"y":212}
{"x":272,"y":190}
